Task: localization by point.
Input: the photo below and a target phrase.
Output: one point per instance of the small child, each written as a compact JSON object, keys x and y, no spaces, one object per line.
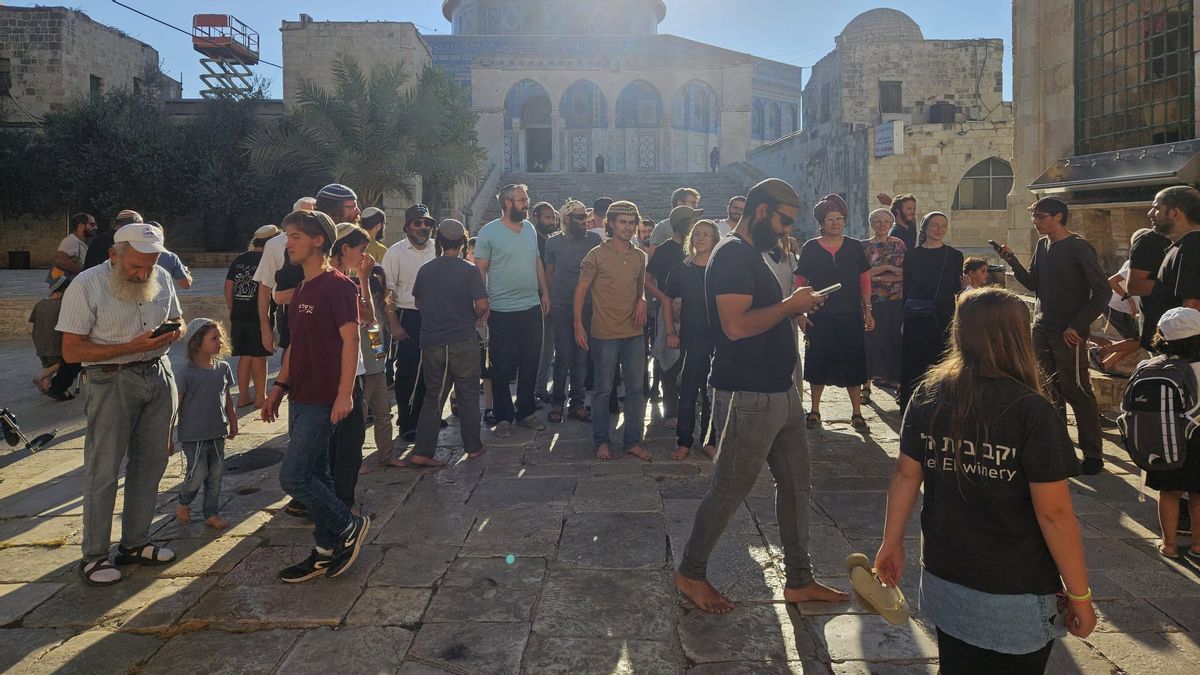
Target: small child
{"x":47,"y":342}
{"x":207,"y":417}
{"x":1178,"y":336}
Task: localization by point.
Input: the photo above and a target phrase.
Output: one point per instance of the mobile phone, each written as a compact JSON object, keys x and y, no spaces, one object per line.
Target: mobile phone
{"x":826,"y":291}
{"x":167,"y":327}
{"x":993,"y":244}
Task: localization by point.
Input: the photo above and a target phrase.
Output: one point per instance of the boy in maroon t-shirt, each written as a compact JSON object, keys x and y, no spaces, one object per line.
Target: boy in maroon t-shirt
{"x":318,"y":374}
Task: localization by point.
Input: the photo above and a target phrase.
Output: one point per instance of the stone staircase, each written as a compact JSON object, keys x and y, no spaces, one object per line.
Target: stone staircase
{"x":650,"y":191}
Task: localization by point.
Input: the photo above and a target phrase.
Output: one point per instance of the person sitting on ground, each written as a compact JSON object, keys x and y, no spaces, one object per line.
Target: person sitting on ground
{"x":47,"y":342}
{"x":73,"y":249}
{"x":1000,"y":541}
{"x":206,"y":418}
{"x":1178,"y":336}
{"x":975,"y":272}
{"x":450,"y":293}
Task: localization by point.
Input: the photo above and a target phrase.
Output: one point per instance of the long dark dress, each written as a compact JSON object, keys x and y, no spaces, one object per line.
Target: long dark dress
{"x":836,"y":346}
{"x":929,"y":274}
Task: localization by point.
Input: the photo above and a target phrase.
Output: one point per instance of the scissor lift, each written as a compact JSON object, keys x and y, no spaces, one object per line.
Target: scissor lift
{"x":230,"y":48}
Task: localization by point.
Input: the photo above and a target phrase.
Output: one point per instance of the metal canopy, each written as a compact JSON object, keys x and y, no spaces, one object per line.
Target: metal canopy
{"x":1165,"y":164}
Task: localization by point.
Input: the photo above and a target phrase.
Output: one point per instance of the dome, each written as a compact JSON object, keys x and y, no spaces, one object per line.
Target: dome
{"x":888,"y":25}
{"x":554,"y":17}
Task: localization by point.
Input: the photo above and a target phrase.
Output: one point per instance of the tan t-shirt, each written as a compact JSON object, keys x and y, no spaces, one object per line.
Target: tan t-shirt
{"x":617,"y":281}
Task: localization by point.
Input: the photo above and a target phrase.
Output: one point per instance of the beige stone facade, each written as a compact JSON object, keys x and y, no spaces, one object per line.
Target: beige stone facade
{"x":945,"y":96}
{"x":309,"y":48}
{"x":50,"y":56}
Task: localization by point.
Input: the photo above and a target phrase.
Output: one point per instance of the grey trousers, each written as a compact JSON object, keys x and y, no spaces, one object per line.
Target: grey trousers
{"x":752,"y":428}
{"x":458,"y":365}
{"x":129,"y":413}
{"x":377,"y":402}
{"x":1070,"y":382}
{"x":546,"y":362}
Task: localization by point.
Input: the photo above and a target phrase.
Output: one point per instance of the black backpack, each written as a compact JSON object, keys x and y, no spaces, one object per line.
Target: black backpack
{"x":1158,"y":413}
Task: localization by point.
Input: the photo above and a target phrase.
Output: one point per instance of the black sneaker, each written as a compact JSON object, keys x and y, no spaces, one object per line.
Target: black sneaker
{"x":351,"y":543}
{"x":315,"y":565}
{"x":1091,"y":466}
{"x":489,"y":418}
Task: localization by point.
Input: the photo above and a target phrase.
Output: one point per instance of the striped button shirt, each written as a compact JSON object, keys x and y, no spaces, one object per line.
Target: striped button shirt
{"x":90,"y":309}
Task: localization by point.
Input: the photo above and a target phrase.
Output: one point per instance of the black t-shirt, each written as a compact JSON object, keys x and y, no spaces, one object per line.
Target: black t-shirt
{"x":245,"y":288}
{"x":98,"y":249}
{"x":665,"y":258}
{"x":908,"y":235}
{"x":1147,"y":254}
{"x":844,"y":267}
{"x":289,"y":276}
{"x":686,"y":282}
{"x":1179,"y":275}
{"x":978,"y":523}
{"x":763,"y":363}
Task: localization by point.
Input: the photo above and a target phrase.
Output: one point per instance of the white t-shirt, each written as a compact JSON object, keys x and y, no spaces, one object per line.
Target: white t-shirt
{"x":723,"y":227}
{"x":74,"y":247}
{"x":273,"y":257}
{"x":1115,"y":302}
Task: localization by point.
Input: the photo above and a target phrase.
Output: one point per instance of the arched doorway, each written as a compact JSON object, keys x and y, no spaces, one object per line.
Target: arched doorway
{"x":585,"y":115}
{"x":696,"y":126}
{"x":640,"y":114}
{"x":527,"y":134}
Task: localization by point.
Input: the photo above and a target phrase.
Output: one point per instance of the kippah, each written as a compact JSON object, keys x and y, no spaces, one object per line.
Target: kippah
{"x":337,"y":191}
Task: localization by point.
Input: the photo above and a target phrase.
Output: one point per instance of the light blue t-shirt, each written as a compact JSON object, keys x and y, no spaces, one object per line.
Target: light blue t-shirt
{"x":512,"y":257}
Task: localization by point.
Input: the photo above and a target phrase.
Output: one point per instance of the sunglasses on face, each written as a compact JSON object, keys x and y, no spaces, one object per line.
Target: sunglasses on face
{"x":423,"y":223}
{"x":785,"y":220}
{"x":579,"y":216}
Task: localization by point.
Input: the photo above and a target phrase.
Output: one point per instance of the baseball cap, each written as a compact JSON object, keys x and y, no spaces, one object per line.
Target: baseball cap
{"x":1179,"y":323}
{"x":682,"y":214}
{"x":452,"y":230}
{"x":144,"y":238}
{"x":416,"y":211}
{"x":602,"y":204}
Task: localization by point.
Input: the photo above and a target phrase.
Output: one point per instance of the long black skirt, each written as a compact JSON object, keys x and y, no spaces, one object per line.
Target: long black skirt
{"x":924,"y":343}
{"x":884,"y":343}
{"x":835,"y":352}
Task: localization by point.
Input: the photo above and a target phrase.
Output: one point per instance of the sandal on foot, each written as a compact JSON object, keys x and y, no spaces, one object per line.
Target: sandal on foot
{"x":873,"y":595}
{"x":866,"y":395}
{"x":858,"y":422}
{"x":99,"y":573}
{"x":146,"y":554}
{"x":812,"y":420}
{"x":556,"y":415}
{"x":1162,"y":550}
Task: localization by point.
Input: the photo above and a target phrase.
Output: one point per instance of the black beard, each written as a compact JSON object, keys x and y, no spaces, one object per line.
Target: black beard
{"x":577,"y":229}
{"x":517,"y":215}
{"x":1162,"y":228}
{"x":548,"y":229}
{"x":764,"y":235}
{"x":417,"y":239}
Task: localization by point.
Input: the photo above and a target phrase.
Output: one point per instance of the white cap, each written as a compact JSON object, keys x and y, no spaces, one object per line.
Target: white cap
{"x":1179,"y":323}
{"x":142,"y":237}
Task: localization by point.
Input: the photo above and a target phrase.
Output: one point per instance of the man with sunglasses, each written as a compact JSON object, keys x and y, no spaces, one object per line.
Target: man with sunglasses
{"x":564,"y":258}
{"x":400,"y":266}
{"x":1072,"y":290}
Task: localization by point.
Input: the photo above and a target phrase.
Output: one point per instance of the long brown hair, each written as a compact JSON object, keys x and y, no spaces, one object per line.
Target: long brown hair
{"x":989,"y":338}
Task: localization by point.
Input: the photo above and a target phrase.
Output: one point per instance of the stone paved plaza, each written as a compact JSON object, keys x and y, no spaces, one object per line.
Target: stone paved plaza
{"x":534,"y":558}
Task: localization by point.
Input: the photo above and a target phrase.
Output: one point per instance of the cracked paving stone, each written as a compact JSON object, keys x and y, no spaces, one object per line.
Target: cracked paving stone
{"x":348,"y":650}
{"x":749,"y":633}
{"x":569,"y":656}
{"x":147,"y":602}
{"x":613,"y":541}
{"x":525,"y":533}
{"x":603,"y":603}
{"x":98,"y":651}
{"x":389,"y":606}
{"x":1149,"y":652}
{"x":1132,"y":615}
{"x":222,"y":653}
{"x":867,"y":637}
{"x":17,"y":600}
{"x":489,"y":590}
{"x":21,"y":647}
{"x":493,"y":648}
{"x":413,"y":565}
{"x":616,"y":495}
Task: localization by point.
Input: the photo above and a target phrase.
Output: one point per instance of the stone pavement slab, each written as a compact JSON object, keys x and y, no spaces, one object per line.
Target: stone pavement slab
{"x":751,"y":632}
{"x":348,"y":650}
{"x":471,"y":647}
{"x":611,"y":604}
{"x":529,"y":533}
{"x":17,"y":600}
{"x":98,"y":651}
{"x":389,"y":606}
{"x":568,"y":656}
{"x":222,"y":653}
{"x":413,"y":565}
{"x":488,"y":590}
{"x":613,"y":540}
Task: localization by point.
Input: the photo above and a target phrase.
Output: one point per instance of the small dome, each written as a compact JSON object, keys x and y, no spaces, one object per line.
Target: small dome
{"x":884,"y":24}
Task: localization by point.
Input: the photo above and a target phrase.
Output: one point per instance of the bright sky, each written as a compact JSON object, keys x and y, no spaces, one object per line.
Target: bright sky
{"x":792,"y":31}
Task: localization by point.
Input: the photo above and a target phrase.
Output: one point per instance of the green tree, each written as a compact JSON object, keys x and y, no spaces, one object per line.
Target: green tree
{"x":368,"y":132}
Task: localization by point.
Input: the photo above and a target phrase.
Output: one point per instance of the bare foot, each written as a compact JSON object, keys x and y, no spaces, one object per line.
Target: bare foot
{"x":216,"y":522}
{"x":367,"y":468}
{"x":183,"y":514}
{"x":711,"y":451}
{"x":397,"y":463}
{"x":602,"y":451}
{"x":428,"y":462}
{"x":641,"y":453}
{"x":670,"y":423}
{"x":680,"y":453}
{"x":242,"y":403}
{"x":703,"y":595}
{"x":815,"y":592}
{"x":42,"y":383}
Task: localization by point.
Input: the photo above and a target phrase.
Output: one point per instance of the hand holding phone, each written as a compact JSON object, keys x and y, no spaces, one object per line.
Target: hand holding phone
{"x":826,"y":292}
{"x":167,"y":327}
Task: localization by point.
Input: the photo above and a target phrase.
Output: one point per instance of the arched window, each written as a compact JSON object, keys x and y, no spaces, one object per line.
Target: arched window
{"x":695,"y":108}
{"x":758,"y":120}
{"x":583,"y":106}
{"x":639,"y":106}
{"x":529,"y":102}
{"x":773,"y":121}
{"x":985,"y":187}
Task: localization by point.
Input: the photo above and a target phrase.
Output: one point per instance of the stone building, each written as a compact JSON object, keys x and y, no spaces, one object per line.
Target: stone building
{"x":50,"y":56}
{"x":890,"y":111}
{"x":1105,"y":94}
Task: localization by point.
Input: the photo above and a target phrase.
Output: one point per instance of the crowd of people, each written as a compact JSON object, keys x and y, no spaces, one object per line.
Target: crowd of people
{"x":704,"y":314}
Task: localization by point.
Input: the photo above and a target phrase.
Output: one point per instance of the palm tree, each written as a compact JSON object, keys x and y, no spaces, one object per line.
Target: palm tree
{"x":363,"y":133}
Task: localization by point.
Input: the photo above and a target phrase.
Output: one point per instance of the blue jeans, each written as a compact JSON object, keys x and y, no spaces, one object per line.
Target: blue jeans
{"x":206,"y":465}
{"x":305,"y":471}
{"x":631,"y":354}
{"x":570,"y":362}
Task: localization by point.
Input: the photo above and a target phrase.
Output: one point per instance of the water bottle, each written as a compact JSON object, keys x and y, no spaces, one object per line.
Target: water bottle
{"x":376,"y":337}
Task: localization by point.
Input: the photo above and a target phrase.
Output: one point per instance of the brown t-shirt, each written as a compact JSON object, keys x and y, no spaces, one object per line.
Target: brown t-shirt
{"x":616,"y":280}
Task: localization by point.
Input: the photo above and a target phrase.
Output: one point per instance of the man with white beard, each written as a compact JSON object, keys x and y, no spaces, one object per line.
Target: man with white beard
{"x":109,"y":320}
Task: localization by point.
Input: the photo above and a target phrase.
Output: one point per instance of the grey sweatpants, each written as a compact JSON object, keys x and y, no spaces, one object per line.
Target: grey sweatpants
{"x":752,"y":428}
{"x":129,"y":413}
{"x":446,"y":365}
{"x":1070,"y":382}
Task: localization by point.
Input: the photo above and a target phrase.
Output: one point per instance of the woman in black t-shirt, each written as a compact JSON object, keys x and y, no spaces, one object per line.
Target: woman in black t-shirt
{"x":241,"y":299}
{"x":999,"y":536}
{"x":932,"y":279}
{"x":685,"y":283}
